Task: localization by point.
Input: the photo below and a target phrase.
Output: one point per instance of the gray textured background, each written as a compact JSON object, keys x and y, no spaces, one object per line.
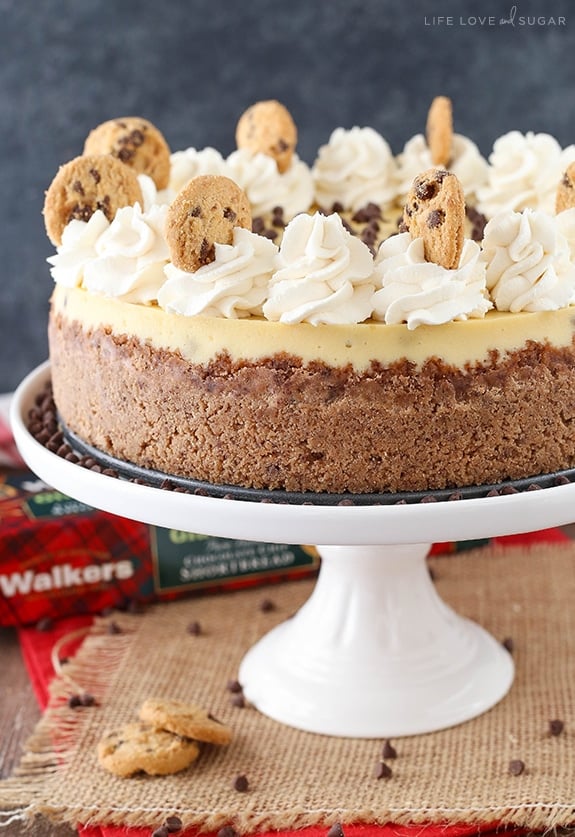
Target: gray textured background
{"x":192,"y":67}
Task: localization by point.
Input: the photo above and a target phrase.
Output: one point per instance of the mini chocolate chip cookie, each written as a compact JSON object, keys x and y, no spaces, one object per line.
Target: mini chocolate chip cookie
{"x":139,"y":747}
{"x":435,"y":212}
{"x":268,"y":127}
{"x":204,"y":213}
{"x":135,"y":142}
{"x":185,"y":719}
{"x":439,"y":131}
{"x":565,"y":197}
{"x":85,"y":184}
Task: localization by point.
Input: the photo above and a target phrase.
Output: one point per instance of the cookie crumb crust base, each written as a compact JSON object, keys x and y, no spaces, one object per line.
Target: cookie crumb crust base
{"x":282,"y":424}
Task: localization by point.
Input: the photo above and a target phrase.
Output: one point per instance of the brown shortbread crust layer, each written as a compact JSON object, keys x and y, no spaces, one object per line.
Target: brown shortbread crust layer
{"x":281,"y":424}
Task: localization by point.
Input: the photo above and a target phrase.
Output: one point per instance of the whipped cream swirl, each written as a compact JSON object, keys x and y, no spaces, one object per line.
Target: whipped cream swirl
{"x":234,"y":285}
{"x":130,"y":256}
{"x":192,"y":162}
{"x":355,"y":168}
{"x":266,"y":188}
{"x":524,"y":172}
{"x":323,"y":275}
{"x":418,"y":292}
{"x":529,"y":265}
{"x":78,"y":248}
{"x":466,"y":163}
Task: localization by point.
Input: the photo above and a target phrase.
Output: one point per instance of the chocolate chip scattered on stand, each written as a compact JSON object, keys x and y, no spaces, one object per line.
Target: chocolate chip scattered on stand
{"x":241,"y":783}
{"x":388,"y":750}
{"x":173,"y":824}
{"x":194,"y":628}
{"x":556,"y":727}
{"x":508,"y":644}
{"x":383,"y":771}
{"x":234,"y":686}
{"x":227,"y":831}
{"x":336,"y":830}
{"x":113,"y":628}
{"x":516,"y":767}
{"x":266,"y":605}
{"x":161,"y":831}
{"x":238,"y":700}
{"x":45,"y":624}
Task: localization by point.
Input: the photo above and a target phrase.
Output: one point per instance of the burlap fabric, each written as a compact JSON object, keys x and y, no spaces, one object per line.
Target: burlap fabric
{"x":460,"y":775}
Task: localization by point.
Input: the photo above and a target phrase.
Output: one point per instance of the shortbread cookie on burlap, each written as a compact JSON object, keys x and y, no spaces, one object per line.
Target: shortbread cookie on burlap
{"x":139,"y":747}
{"x":135,"y":142}
{"x":565,"y":197}
{"x":435,"y":212}
{"x":85,"y":184}
{"x":268,"y":127}
{"x":185,"y":719}
{"x":204,"y":213}
{"x":439,"y":131}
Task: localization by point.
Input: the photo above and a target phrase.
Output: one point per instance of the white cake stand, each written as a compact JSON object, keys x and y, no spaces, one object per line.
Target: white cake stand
{"x":374,"y":652}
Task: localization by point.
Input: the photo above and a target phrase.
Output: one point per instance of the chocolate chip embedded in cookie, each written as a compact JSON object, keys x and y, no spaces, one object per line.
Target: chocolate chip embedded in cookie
{"x":204,"y":213}
{"x":439,"y":131}
{"x":565,"y":198}
{"x":85,"y":184}
{"x":137,"y":747}
{"x":135,"y":142}
{"x":268,"y":127}
{"x":185,"y":719}
{"x":435,"y":212}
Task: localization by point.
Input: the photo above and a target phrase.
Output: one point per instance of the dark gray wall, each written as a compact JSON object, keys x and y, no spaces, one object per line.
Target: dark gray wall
{"x":192,"y":67}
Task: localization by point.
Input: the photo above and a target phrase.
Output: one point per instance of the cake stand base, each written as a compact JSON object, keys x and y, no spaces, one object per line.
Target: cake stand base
{"x":375,"y":652}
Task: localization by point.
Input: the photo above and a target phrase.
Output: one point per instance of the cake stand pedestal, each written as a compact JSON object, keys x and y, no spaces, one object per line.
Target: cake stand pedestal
{"x":374,"y":652}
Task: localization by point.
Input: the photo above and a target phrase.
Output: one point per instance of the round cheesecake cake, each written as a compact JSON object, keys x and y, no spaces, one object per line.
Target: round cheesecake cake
{"x":398,"y":339}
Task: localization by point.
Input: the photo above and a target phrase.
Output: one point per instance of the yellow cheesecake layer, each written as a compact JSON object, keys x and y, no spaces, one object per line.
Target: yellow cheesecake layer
{"x":201,"y":339}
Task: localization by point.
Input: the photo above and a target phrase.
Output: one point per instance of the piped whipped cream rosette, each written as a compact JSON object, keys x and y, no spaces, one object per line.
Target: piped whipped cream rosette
{"x":323,"y":274}
{"x":528,"y":262}
{"x":233,"y":285}
{"x":466,"y":162}
{"x":123,"y":259}
{"x":523,"y":173}
{"x":419,"y":292}
{"x":266,"y":187}
{"x":356,"y":167}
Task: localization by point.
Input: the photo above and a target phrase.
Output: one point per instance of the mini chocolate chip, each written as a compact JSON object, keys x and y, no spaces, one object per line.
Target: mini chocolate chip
{"x":207,"y":252}
{"x":238,"y":701}
{"x":282,"y":145}
{"x":74,"y":701}
{"x":425,"y":190}
{"x":241,"y":783}
{"x":234,"y":686}
{"x":125,"y":154}
{"x":266,"y":606}
{"x":566,"y":181}
{"x":229,"y":214}
{"x":196,"y":212}
{"x":173,"y":824}
{"x":556,"y":726}
{"x":45,"y":624}
{"x":435,"y":218}
{"x":86,"y":699}
{"x":516,"y":767}
{"x":227,"y":831}
{"x":336,"y":830}
{"x":161,"y":831}
{"x":77,"y":187}
{"x":388,"y":751}
{"x":508,"y":644}
{"x":258,"y":224}
{"x":96,"y":175}
{"x":113,"y":628}
{"x":383,"y":771}
{"x":136,"y":137}
{"x":194,"y":628}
